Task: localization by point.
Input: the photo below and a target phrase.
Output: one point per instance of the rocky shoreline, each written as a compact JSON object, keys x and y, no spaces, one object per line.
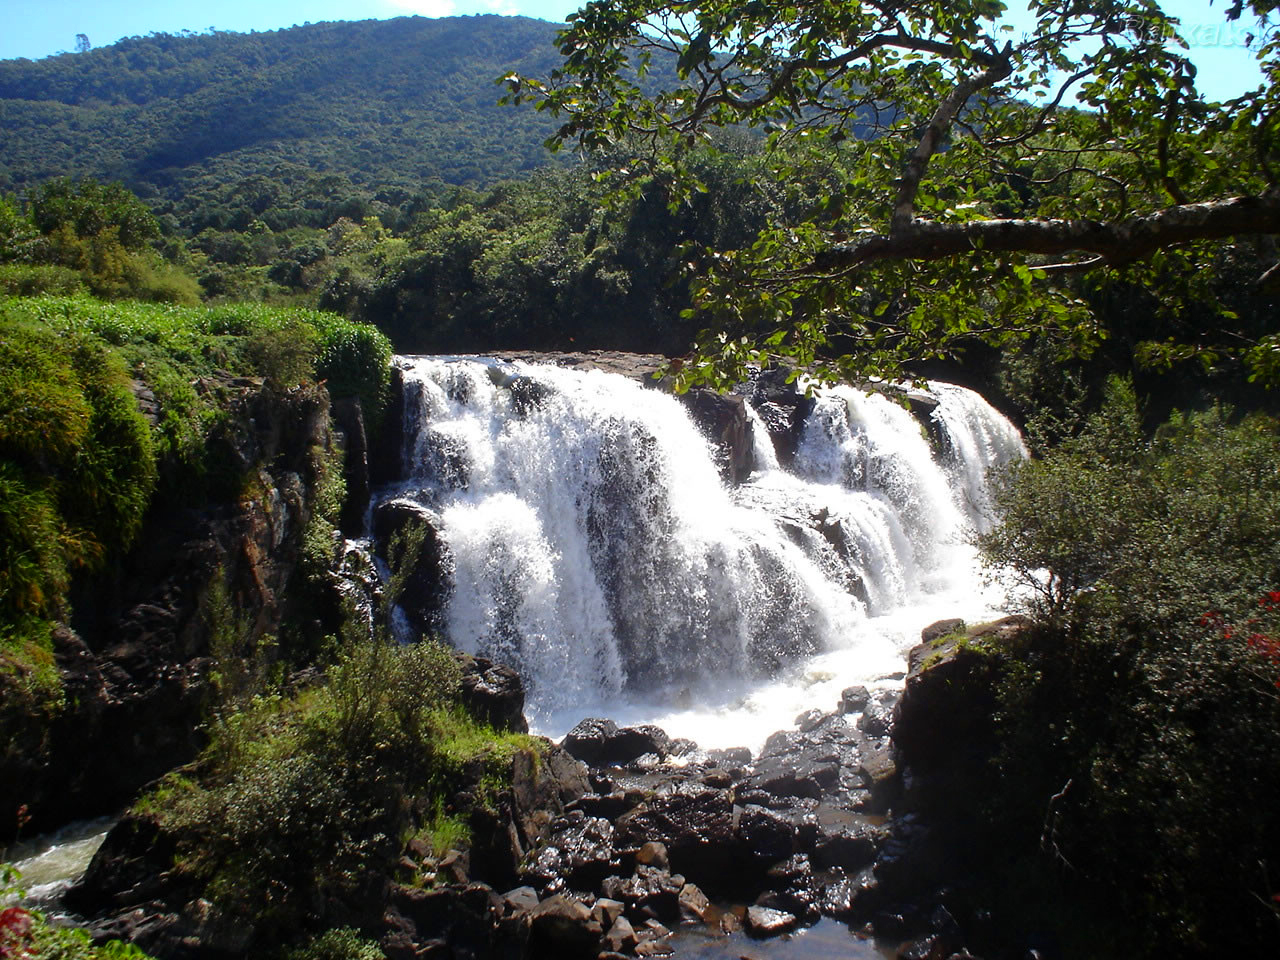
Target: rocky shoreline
{"x":611,"y":840}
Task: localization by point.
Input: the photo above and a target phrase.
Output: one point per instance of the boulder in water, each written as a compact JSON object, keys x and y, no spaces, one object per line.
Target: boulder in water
{"x":493,"y":693}
{"x":426,"y":569}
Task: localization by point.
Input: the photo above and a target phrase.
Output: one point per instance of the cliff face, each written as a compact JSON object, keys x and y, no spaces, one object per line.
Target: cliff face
{"x":135,"y":660}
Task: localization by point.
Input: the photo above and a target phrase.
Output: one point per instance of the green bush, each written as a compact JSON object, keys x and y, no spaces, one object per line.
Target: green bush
{"x":306,"y":799}
{"x":1139,"y":734}
{"x":341,"y":943}
{"x":28,"y":280}
{"x":77,"y":465}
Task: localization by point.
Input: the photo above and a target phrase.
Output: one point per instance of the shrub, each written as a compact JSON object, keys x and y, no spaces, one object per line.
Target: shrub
{"x":27,"y":280}
{"x":76,"y":462}
{"x":1146,"y":728}
{"x":305,"y":799}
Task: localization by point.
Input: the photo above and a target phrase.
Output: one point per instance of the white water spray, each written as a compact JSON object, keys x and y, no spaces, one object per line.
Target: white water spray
{"x":596,"y":549}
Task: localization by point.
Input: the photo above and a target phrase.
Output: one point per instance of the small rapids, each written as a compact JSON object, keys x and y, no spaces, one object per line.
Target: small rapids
{"x":592,"y":544}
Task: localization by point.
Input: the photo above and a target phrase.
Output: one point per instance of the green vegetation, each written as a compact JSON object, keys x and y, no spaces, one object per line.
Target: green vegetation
{"x":80,"y":464}
{"x":979,"y":179}
{"x":294,"y":127}
{"x":30,"y":933}
{"x":1138,"y":733}
{"x":87,"y":234}
{"x":307,"y":797}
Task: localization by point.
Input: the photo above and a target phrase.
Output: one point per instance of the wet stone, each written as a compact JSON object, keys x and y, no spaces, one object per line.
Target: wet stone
{"x":768,"y":922}
{"x":853,"y":699}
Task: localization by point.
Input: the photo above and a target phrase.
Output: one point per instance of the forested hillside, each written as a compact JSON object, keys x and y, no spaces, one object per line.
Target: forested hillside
{"x":205,"y":127}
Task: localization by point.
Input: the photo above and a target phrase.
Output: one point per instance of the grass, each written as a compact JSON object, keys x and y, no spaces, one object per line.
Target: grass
{"x":308,"y":796}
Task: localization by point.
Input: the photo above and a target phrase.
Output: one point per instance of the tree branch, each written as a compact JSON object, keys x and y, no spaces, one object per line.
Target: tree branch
{"x":1112,"y":243}
{"x":939,"y":126}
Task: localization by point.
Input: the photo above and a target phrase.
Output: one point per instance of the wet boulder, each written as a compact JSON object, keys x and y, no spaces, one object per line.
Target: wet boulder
{"x":562,"y":926}
{"x":493,"y":693}
{"x":723,"y":418}
{"x":420,"y":555}
{"x":600,"y":742}
{"x":695,"y":822}
{"x":765,"y":922}
{"x":650,"y":893}
{"x":588,"y":740}
{"x":769,"y":836}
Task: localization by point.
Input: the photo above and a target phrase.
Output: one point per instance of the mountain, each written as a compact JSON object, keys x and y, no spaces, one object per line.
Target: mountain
{"x":370,"y":108}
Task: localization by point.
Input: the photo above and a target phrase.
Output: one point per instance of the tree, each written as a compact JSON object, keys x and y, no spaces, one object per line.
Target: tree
{"x":980,"y":175}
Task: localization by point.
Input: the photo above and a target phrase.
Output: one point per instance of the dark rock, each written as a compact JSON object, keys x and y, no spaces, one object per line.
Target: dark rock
{"x":767,"y":835}
{"x":348,"y":416}
{"x":792,"y":870}
{"x":932,"y":947}
{"x":794,"y":776}
{"x":621,"y":937}
{"x":731,"y":756}
{"x":649,"y":893}
{"x":428,"y":583}
{"x":653,"y":854}
{"x":606,"y":911}
{"x":853,"y":699}
{"x":941,"y":628}
{"x":876,"y":721}
{"x":588,"y":741}
{"x":849,"y":847}
{"x":767,"y":922}
{"x":527,"y":394}
{"x":454,"y":867}
{"x":610,"y":806}
{"x":723,"y":418}
{"x":632,"y":742}
{"x":386,"y":445}
{"x":493,"y":693}
{"x":586,"y":847}
{"x":782,"y":407}
{"x":561,"y":926}
{"x":810,"y":719}
{"x":695,"y":822}
{"x":599,"y":742}
{"x":943,"y":718}
{"x":681,"y":747}
{"x":521,"y":819}
{"x":717,"y":778}
{"x":694,"y":905}
{"x":520,"y":900}
{"x":879,"y":775}
{"x":136,"y":653}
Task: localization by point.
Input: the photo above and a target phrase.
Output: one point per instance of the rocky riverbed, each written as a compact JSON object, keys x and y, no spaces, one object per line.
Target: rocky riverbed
{"x":621,"y":841}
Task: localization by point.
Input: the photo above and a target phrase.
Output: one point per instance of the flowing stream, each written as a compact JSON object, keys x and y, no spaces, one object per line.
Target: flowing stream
{"x":592,"y":544}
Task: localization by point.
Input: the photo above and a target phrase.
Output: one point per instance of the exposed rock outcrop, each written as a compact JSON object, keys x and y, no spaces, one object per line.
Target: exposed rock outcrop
{"x":136,"y":656}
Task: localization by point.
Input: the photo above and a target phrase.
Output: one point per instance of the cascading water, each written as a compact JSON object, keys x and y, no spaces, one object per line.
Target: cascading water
{"x":593,"y":545}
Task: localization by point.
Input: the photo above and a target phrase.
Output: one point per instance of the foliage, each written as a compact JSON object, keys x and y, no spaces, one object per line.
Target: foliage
{"x":293,"y":128}
{"x":340,"y":943}
{"x":76,"y":462}
{"x":26,"y":934}
{"x":87,"y":233}
{"x":1144,"y":711}
{"x":305,"y":798}
{"x":959,"y":209}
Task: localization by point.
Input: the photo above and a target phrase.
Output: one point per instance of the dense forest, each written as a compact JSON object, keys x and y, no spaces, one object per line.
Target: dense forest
{"x":217,"y":129}
{"x":197,"y":228}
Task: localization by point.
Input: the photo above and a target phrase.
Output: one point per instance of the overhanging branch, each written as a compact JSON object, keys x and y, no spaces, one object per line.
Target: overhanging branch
{"x":1111,"y":243}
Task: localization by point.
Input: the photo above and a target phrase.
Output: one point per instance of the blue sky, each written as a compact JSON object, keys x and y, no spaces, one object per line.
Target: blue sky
{"x":40,"y":29}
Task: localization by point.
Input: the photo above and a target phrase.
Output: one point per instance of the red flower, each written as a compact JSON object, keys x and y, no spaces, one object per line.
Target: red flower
{"x":15,"y":933}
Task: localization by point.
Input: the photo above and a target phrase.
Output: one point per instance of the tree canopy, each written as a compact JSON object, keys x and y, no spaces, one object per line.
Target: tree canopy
{"x":977,"y":183}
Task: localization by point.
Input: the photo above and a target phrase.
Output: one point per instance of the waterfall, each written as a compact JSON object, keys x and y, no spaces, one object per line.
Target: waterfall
{"x":594,"y":546}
